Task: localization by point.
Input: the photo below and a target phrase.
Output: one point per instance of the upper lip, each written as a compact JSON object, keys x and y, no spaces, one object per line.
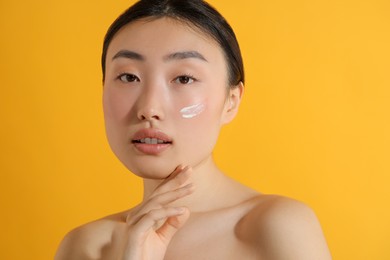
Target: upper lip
{"x":151,"y":133}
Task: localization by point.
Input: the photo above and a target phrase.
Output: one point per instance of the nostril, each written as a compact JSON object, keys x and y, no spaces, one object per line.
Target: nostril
{"x":150,"y":115}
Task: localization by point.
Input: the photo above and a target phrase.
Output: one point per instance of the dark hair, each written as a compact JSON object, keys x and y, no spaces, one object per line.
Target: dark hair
{"x":194,"y":12}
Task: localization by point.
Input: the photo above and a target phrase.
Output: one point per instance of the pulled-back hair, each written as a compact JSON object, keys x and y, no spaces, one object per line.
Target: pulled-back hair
{"x":196,"y":13}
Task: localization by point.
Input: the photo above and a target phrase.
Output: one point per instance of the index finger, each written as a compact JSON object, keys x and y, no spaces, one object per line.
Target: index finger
{"x":178,"y":178}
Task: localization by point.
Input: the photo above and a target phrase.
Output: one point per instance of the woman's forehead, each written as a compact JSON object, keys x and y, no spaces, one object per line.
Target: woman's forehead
{"x":163,"y":36}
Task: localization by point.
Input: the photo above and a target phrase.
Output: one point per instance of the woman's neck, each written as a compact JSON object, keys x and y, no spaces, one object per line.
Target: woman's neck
{"x":209,"y":183}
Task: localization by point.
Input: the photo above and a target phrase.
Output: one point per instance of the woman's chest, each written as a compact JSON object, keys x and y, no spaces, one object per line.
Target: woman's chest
{"x":211,"y":236}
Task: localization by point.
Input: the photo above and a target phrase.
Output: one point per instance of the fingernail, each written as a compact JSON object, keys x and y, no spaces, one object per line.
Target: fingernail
{"x":180,"y":209}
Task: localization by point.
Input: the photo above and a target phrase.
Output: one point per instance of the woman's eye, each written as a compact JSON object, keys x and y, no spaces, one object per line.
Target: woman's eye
{"x":184,"y":80}
{"x":128,"y":77}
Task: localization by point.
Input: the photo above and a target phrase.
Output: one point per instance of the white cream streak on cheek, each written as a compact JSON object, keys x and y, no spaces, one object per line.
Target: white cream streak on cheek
{"x":192,"y":111}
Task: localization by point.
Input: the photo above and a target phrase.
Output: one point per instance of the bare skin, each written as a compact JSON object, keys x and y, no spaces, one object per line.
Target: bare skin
{"x":235,"y":223}
{"x":190,"y":209}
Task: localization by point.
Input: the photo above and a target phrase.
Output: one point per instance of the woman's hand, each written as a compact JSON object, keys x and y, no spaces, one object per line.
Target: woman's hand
{"x":151,"y":226}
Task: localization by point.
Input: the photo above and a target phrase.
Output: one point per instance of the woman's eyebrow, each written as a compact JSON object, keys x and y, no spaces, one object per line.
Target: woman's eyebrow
{"x":129,"y":55}
{"x":173,"y":56}
{"x":185,"y":55}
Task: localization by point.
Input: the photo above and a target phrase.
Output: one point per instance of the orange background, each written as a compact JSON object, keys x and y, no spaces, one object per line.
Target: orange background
{"x":314,"y":123}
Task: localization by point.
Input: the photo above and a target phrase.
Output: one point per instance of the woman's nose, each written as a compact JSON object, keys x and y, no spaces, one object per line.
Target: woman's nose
{"x":150,"y":105}
{"x":149,"y":114}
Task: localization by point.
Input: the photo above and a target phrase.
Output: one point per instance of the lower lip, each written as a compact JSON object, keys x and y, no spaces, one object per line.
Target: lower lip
{"x":151,"y":149}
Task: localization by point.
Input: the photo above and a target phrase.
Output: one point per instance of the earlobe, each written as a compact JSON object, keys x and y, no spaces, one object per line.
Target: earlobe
{"x":233,"y":102}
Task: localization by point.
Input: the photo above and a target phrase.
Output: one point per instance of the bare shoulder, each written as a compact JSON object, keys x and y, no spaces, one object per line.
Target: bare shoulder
{"x":88,"y":240}
{"x":282,"y":228}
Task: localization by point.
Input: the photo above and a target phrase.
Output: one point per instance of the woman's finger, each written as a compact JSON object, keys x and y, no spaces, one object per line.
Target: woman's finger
{"x":178,"y":178}
{"x":171,"y":196}
{"x":172,"y":225}
{"x":147,"y":221}
{"x":160,"y":201}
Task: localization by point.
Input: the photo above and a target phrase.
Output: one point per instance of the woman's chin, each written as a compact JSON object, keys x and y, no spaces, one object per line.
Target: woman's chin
{"x":154,"y":172}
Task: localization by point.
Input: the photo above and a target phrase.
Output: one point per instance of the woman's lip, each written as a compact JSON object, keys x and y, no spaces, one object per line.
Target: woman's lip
{"x":151,"y":149}
{"x":151,"y":133}
{"x":148,"y":148}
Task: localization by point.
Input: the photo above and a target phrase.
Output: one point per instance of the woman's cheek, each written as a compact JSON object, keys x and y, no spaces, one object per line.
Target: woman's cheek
{"x":116,"y":105}
{"x":192,"y":110}
{"x":196,"y":118}
{"x":197,"y":112}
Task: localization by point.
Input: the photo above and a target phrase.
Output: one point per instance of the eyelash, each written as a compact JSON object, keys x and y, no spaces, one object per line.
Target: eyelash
{"x":187,"y":76}
{"x":133,"y":78}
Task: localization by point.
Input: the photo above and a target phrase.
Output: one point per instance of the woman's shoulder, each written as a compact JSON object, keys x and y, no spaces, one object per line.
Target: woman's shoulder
{"x":284,"y":228}
{"x":86,"y":241}
{"x":269,"y":207}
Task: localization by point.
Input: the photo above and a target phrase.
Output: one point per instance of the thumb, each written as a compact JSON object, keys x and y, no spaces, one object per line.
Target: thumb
{"x":172,"y":225}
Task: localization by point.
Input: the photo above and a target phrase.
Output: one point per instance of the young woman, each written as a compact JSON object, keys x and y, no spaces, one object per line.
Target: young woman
{"x":173,"y":76}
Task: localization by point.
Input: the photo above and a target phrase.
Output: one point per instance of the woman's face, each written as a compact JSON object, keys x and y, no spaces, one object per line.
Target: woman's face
{"x":164,"y":96}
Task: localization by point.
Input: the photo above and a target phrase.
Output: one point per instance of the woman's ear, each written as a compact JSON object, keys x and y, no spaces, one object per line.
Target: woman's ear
{"x":232,"y":103}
